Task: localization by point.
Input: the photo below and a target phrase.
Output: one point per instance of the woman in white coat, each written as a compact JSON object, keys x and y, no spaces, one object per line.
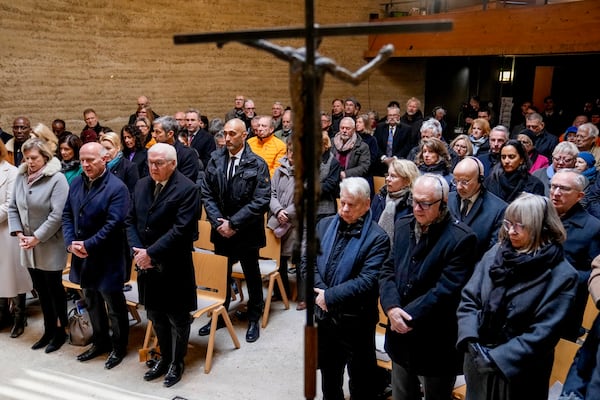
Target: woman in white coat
{"x":15,"y":278}
{"x":35,"y":218}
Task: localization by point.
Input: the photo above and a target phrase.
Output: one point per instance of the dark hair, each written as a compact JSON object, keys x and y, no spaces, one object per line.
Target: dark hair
{"x":74,"y":142}
{"x":523,"y":169}
{"x":204,"y":119}
{"x":137,"y":135}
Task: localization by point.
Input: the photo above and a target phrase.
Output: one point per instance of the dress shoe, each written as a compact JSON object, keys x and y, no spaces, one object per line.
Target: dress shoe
{"x":114,"y":359}
{"x":253,"y":332}
{"x":301,"y":306}
{"x":160,"y":368}
{"x":92,"y":352}
{"x":56,"y":343}
{"x":205,"y":330}
{"x":43,"y":342}
{"x":174,"y":374}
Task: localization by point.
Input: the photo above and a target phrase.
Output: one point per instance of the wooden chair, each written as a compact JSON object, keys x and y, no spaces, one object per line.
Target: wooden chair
{"x":211,"y":289}
{"x":269,"y":270}
{"x":203,"y":242}
{"x":589,"y":315}
{"x":378,"y":183}
{"x":564,"y":353}
{"x":383,"y":360}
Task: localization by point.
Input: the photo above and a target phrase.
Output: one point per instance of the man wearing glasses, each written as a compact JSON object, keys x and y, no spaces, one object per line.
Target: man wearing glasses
{"x":420,"y":283}
{"x":238,"y":108}
{"x":21,"y":131}
{"x":472,"y":204}
{"x":583,"y":238}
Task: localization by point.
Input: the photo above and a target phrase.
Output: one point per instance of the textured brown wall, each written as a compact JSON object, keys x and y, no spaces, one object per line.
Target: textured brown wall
{"x":59,"y":57}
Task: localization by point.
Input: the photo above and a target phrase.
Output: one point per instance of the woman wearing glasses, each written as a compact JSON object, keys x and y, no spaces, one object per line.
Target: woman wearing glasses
{"x":511,"y":176}
{"x":509,"y":318}
{"x":563,"y":156}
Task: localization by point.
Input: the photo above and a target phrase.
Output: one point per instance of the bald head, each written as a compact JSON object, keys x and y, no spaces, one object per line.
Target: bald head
{"x":92,"y":156}
{"x":466,"y":175}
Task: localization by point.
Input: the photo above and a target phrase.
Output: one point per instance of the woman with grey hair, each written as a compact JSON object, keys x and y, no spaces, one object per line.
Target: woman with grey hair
{"x":510,"y":315}
{"x":563,"y":156}
{"x":35,"y":218}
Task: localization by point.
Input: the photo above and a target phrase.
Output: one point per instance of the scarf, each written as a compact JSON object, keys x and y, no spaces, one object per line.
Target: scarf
{"x":342,"y":147}
{"x":32,"y":177}
{"x":511,"y":185}
{"x":69,"y":165}
{"x":357,"y":234}
{"x":590,"y":174}
{"x":508,"y":269}
{"x":388,"y":216}
{"x":440,"y":168}
{"x":477,"y":143}
{"x":113,"y":163}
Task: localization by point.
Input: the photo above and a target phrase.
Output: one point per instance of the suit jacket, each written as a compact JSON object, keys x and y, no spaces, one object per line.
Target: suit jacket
{"x":204,"y":144}
{"x":187,"y":161}
{"x":166,"y":228}
{"x":140,"y":159}
{"x":97,"y":217}
{"x":243,"y":200}
{"x":126,"y":171}
{"x":485,"y":217}
{"x":401,"y":145}
{"x":425,"y":280}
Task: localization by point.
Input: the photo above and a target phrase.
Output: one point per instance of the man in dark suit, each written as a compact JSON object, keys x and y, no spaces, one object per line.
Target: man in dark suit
{"x":419,"y":286}
{"x":165,"y":129}
{"x":93,"y":222}
{"x":354,"y":248}
{"x":583,"y":239}
{"x":393,"y":139}
{"x":236,"y":193}
{"x":161,"y":226}
{"x":198,"y":138}
{"x":472,"y":204}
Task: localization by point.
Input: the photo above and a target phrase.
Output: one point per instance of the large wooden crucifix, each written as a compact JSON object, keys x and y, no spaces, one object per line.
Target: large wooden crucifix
{"x":307,"y":72}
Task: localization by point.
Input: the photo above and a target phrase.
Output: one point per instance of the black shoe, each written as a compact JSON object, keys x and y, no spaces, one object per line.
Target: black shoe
{"x":253,"y":332}
{"x":114,"y":359}
{"x":205,"y":330}
{"x":43,"y":342}
{"x":18,"y":328}
{"x":160,"y":368}
{"x":174,"y":374}
{"x":56,"y":343}
{"x":92,"y":352}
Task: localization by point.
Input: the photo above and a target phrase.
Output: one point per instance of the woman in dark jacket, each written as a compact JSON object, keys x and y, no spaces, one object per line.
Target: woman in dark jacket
{"x":434,"y":158}
{"x":511,"y":312}
{"x":117,"y":164}
{"x":511,"y":176}
{"x":133,"y":148}
{"x":394,"y":200}
{"x":68,"y":154}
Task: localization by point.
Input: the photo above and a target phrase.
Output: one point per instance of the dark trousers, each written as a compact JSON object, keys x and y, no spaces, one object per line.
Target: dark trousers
{"x":51,"y":293}
{"x":173,"y":333}
{"x":406,"y":384}
{"x":347,"y":342}
{"x":584,"y":374}
{"x":248,"y":258}
{"x":117,"y":313}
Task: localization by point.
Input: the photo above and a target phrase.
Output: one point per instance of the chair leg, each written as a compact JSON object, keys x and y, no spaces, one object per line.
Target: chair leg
{"x":134,"y":313}
{"x":269,"y":296}
{"x":284,"y":297}
{"x":150,"y":336}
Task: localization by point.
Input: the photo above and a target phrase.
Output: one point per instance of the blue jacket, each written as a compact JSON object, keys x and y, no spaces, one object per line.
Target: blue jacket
{"x":97,"y":217}
{"x":485,"y":217}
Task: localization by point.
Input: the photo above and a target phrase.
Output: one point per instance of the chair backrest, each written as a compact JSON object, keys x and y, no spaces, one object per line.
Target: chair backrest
{"x":589,"y":314}
{"x":203,"y":241}
{"x":383,"y":321}
{"x":133,"y":276}
{"x":273,"y":248}
{"x":378,"y":183}
{"x":564,"y":353}
{"x":210,"y":271}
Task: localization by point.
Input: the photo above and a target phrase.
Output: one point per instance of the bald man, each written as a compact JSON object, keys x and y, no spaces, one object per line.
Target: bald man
{"x":484,"y":211}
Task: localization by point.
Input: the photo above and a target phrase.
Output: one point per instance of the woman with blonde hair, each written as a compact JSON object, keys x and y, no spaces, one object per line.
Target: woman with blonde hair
{"x":116,"y":163}
{"x":511,"y":312}
{"x":15,"y":278}
{"x":43,"y":132}
{"x":35,"y":218}
{"x":394,"y":200}
{"x":461,"y":145}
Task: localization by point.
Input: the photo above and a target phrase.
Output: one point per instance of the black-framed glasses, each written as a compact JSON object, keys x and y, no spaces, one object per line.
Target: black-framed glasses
{"x":517,"y":226}
{"x":424,"y":205}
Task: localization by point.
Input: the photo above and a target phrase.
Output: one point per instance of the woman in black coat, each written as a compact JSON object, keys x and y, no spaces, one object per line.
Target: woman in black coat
{"x":511,"y":313}
{"x":511,"y":176}
{"x":117,"y":164}
{"x":133,"y":148}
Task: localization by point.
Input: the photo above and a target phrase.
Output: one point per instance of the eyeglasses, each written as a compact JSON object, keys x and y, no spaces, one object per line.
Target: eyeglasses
{"x":516,"y":227}
{"x":158,"y":163}
{"x":461,"y":182}
{"x":20,"y":128}
{"x":563,"y":189}
{"x":562,"y":160}
{"x":424,"y":205}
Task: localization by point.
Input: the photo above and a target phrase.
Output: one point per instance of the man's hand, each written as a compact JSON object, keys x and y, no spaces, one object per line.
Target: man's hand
{"x":398,"y":320}
{"x":142,"y":259}
{"x":225,"y":229}
{"x":320,"y":300}
{"x":78,"y":248}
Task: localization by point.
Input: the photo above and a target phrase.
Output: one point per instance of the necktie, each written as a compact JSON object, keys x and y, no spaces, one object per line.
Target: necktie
{"x":157,"y":190}
{"x":390,"y":142}
{"x":464,"y":209}
{"x":231,"y":168}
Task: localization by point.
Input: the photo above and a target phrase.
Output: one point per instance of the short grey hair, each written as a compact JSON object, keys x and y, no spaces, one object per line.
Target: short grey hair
{"x":590,"y":128}
{"x":433,"y":125}
{"x":349,"y":119}
{"x":168,"y":123}
{"x":501,"y":128}
{"x":166,"y":149}
{"x":356,"y":186}
{"x":566,"y":148}
{"x":441,"y":186}
{"x":579,"y":180}
{"x":534,"y":117}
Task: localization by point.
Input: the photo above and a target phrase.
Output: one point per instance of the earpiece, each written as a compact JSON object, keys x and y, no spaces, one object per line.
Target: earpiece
{"x":480,"y":177}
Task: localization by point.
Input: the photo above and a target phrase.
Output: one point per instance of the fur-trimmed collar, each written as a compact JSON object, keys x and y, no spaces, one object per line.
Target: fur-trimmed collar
{"x":52,"y":167}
